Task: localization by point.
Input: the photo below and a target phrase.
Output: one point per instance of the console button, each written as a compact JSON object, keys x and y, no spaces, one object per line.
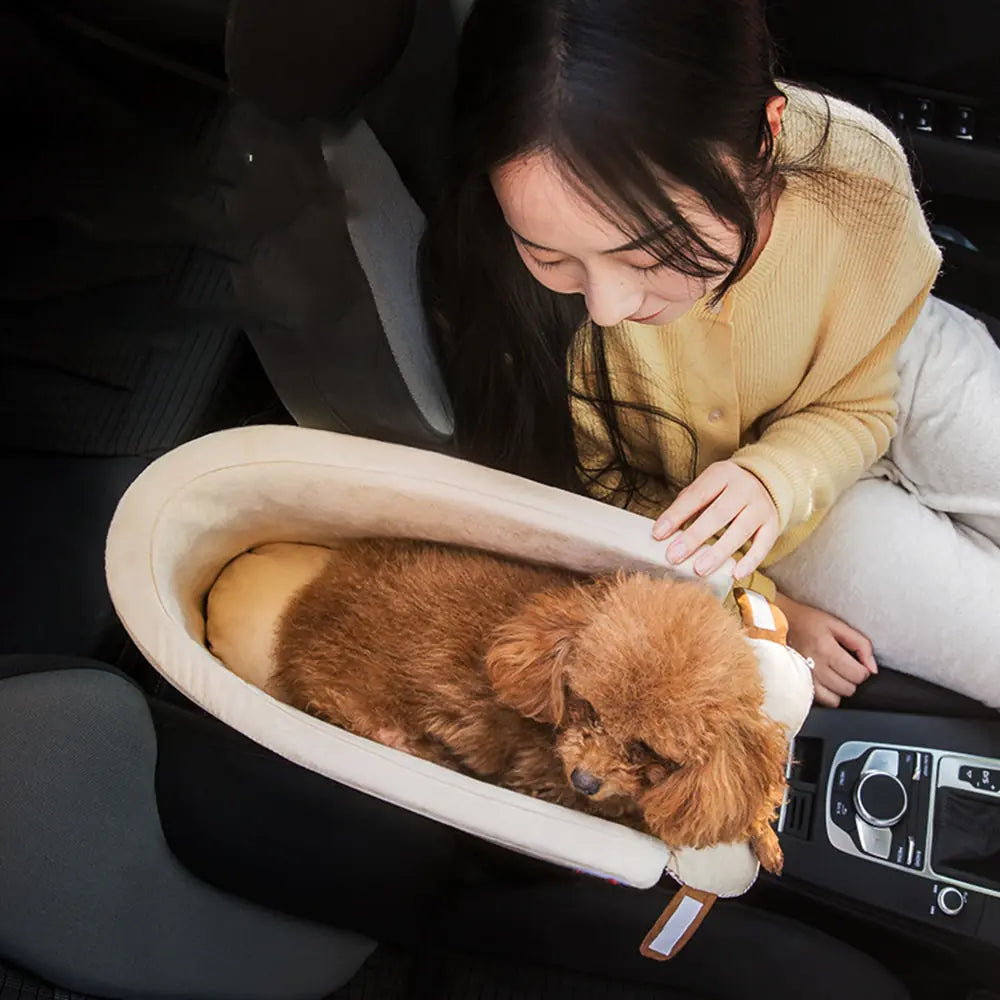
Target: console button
{"x":963,"y":124}
{"x":919,"y":810}
{"x":898,"y":852}
{"x":876,"y":841}
{"x":921,"y":115}
{"x":843,"y":777}
{"x":880,"y":799}
{"x":841,"y":811}
{"x":886,"y":761}
{"x":986,"y":779}
{"x":950,"y":900}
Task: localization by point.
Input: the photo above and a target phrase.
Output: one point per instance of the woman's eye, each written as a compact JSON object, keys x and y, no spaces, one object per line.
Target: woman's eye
{"x":546,"y":264}
{"x":658,"y":266}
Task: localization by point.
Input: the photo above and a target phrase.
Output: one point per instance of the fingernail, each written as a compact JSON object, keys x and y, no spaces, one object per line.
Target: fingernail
{"x":677,"y":552}
{"x":660,"y":531}
{"x":875,"y":668}
{"x":703,"y":565}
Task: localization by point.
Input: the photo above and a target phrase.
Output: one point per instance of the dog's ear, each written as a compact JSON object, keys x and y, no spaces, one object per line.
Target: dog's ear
{"x":728,"y":795}
{"x":526,"y":659}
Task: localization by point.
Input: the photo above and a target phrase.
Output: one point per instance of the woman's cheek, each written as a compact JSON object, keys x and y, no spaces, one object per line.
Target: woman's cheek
{"x":560,"y":284}
{"x":678,"y":288}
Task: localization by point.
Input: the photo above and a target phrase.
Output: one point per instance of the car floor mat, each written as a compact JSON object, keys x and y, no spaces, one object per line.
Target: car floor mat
{"x":394,"y":975}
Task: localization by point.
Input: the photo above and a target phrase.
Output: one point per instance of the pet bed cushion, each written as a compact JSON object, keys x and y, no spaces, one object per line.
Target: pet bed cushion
{"x":203,"y":504}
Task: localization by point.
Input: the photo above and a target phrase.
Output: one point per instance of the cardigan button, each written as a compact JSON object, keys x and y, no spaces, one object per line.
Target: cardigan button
{"x":715,"y":416}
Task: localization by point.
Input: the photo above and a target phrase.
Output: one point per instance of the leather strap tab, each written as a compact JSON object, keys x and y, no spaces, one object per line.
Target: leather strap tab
{"x":677,"y":924}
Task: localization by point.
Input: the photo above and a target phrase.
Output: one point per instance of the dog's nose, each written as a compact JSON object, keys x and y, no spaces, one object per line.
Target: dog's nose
{"x":585,"y":782}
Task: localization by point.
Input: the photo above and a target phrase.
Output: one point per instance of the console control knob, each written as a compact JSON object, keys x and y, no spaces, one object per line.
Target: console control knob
{"x":950,"y":900}
{"x":880,"y":798}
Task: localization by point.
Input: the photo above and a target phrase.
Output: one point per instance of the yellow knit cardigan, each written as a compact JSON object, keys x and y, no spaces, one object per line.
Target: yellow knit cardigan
{"x":793,"y":376}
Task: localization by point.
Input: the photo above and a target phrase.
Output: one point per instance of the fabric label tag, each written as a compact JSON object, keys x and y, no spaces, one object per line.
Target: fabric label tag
{"x":677,"y":923}
{"x":761,"y":618}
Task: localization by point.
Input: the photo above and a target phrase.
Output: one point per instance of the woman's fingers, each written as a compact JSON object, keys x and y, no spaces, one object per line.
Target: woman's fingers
{"x":727,"y":499}
{"x":836,"y":682}
{"x":689,"y":501}
{"x":857,"y":643}
{"x":824,"y":696}
{"x":839,"y":672}
{"x":722,"y":512}
{"x":846,"y":666}
{"x":735,"y":536}
{"x":762,"y":544}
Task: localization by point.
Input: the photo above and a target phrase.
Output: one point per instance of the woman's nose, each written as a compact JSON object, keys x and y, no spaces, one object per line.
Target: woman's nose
{"x":610,"y":300}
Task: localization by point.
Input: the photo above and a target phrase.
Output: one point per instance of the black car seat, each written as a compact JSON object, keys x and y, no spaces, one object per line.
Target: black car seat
{"x":97,"y":899}
{"x":116,"y":342}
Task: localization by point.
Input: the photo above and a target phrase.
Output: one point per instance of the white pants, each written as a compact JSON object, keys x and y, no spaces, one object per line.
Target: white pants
{"x":910,"y":555}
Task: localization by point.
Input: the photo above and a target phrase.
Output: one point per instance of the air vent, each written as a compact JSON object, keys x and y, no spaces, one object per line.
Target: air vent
{"x":797,"y":818}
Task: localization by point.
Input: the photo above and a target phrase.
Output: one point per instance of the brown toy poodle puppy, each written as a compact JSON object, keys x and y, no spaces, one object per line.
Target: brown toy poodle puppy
{"x":632,"y":698}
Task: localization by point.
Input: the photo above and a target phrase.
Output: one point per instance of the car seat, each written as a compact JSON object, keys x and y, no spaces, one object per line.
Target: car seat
{"x":115,"y":345}
{"x":97,"y":898}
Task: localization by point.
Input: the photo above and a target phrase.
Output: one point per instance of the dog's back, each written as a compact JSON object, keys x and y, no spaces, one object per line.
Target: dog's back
{"x":388,"y":641}
{"x":401,"y":625}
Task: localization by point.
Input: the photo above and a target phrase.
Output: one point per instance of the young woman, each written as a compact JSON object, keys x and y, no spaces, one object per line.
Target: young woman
{"x":665,"y":278}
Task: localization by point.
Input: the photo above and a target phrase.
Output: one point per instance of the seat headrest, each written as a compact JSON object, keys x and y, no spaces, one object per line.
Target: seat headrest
{"x":312,"y":58}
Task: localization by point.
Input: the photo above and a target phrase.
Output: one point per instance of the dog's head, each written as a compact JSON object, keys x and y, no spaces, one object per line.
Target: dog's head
{"x":655,"y":697}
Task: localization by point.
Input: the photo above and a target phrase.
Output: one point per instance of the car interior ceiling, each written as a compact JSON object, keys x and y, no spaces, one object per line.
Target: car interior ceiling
{"x":125,"y":332}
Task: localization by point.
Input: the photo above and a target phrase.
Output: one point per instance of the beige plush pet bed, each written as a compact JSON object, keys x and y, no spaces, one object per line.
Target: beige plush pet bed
{"x":200,"y":506}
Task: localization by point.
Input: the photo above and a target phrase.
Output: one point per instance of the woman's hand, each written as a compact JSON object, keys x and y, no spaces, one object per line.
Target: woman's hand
{"x":842,"y":656}
{"x":732,"y":501}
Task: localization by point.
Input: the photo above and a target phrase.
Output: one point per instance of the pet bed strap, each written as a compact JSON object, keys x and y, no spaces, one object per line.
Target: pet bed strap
{"x":677,"y":923}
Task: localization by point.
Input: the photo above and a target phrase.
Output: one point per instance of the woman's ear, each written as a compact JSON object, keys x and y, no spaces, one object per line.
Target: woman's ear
{"x":526,"y":658}
{"x":775,"y":110}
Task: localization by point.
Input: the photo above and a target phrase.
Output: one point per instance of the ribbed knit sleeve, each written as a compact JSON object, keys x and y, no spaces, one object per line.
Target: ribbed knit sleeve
{"x":842,"y":416}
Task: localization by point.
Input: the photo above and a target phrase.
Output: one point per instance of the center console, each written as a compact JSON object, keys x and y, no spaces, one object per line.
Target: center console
{"x":901,"y":813}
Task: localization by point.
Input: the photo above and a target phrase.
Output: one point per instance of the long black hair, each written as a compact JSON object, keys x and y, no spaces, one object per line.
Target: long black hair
{"x":621,"y":93}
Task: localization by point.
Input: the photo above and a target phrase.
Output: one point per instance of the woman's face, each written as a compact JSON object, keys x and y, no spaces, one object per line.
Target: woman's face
{"x":570,"y":248}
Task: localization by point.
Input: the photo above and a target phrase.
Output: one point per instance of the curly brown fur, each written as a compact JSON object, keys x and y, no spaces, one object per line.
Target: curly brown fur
{"x":532,"y":678}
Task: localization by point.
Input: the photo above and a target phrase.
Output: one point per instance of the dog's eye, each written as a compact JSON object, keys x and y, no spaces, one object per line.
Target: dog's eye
{"x":639,"y":750}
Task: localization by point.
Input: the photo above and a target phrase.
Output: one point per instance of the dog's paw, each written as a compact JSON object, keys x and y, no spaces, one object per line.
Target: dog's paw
{"x":768,"y":850}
